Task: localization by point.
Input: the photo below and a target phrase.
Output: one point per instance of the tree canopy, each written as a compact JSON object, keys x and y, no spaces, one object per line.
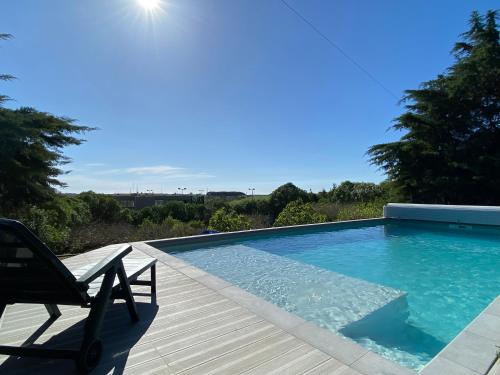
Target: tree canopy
{"x":31,"y":144}
{"x":4,"y":77}
{"x":450,"y":152}
{"x":283,"y":195}
{"x":349,"y":191}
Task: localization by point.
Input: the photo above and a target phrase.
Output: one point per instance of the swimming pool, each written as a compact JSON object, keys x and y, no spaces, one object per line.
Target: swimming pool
{"x":401,"y":288}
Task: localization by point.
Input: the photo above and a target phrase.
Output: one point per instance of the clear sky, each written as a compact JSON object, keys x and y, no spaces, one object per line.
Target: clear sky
{"x":224,"y":94}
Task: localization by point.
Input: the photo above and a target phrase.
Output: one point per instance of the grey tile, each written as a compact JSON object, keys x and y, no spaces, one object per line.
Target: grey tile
{"x":267,"y":310}
{"x":494,"y":307}
{"x":443,"y":366}
{"x":374,"y":364}
{"x":339,"y":348}
{"x":471,"y":351}
{"x":486,"y":325}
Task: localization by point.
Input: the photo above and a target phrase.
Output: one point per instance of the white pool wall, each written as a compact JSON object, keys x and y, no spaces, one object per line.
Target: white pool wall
{"x":483,"y":215}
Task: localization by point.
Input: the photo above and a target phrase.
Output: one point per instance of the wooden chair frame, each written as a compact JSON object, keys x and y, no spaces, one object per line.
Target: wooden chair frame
{"x":110,"y":267}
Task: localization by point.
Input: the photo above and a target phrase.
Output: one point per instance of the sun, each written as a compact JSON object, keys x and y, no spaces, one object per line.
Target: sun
{"x":149,"y":5}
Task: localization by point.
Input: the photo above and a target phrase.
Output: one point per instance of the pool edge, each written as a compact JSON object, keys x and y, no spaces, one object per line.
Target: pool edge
{"x":254,"y":232}
{"x":474,"y":350}
{"x":341,"y":348}
{"x":462,"y":349}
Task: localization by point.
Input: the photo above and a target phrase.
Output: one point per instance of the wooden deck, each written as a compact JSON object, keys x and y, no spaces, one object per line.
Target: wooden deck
{"x":193,"y":328}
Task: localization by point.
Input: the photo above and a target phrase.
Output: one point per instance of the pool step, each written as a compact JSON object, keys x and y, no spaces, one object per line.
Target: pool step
{"x":329,"y":299}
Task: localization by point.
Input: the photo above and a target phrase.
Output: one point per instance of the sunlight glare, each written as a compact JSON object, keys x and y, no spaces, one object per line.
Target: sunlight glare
{"x":149,"y":5}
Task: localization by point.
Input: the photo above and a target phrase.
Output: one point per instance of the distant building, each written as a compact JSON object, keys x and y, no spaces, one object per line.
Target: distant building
{"x":140,"y":200}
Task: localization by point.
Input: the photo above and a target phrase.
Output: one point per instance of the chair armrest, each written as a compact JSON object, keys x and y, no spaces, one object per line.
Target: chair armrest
{"x":104,"y":265}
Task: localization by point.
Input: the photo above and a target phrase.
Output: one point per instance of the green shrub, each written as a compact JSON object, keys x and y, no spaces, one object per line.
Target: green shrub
{"x":104,"y":208}
{"x":259,"y":221}
{"x":225,"y":220}
{"x":349,"y":191}
{"x":174,"y":209}
{"x":330,"y":209}
{"x":170,"y":227}
{"x":296,"y":213}
{"x":258,"y":205}
{"x":53,"y":221}
{"x":44,"y":223}
{"x":361,"y":211}
{"x":94,"y":235}
{"x":285,"y":194}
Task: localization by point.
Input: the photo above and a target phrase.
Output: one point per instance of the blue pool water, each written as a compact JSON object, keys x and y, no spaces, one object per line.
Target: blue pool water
{"x":424,"y":281}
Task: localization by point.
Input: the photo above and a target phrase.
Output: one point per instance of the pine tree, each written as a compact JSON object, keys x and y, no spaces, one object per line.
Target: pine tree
{"x":450,"y":152}
{"x":5,"y":77}
{"x":31,"y":144}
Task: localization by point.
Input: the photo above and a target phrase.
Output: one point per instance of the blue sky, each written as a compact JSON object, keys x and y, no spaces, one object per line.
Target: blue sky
{"x":224,"y":94}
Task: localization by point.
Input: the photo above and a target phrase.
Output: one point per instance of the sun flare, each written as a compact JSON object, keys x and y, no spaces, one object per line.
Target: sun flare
{"x":149,"y":5}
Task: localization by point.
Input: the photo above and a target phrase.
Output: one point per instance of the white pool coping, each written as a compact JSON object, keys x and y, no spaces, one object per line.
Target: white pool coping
{"x":481,"y":215}
{"x":472,"y":352}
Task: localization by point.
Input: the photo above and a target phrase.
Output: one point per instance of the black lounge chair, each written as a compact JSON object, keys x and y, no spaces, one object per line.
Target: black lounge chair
{"x":31,"y":273}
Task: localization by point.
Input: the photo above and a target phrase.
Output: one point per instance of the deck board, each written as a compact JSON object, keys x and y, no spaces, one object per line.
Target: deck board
{"x":193,"y":329}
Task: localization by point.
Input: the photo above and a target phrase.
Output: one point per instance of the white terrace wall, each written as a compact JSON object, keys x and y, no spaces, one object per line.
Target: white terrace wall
{"x":485,"y":215}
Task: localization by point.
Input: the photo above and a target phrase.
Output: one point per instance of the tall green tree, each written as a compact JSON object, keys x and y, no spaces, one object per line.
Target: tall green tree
{"x":349,"y":191}
{"x":283,"y":195}
{"x":450,"y":152}
{"x":31,"y":144}
{"x":5,"y":77}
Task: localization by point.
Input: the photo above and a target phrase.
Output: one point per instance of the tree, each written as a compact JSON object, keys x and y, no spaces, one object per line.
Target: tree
{"x":103,"y":208}
{"x":296,"y":213}
{"x":4,"y":77}
{"x":31,"y":144}
{"x":450,"y":152}
{"x":283,"y":195}
{"x":225,"y":220}
{"x":349,"y":191}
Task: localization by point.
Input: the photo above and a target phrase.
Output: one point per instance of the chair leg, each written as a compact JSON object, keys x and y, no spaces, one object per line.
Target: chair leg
{"x":98,"y":308}
{"x":91,"y":348}
{"x":153,"y":279}
{"x":127,"y":293}
{"x":53,"y":311}
{"x":2,"y":309}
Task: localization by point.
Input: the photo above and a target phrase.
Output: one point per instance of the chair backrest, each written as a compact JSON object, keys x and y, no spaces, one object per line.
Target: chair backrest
{"x":31,"y":273}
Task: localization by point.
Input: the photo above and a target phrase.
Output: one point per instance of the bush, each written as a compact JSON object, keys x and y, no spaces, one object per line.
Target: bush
{"x":44,"y":223}
{"x":252,"y":205}
{"x":361,"y":211}
{"x":53,"y":221}
{"x":95,"y":235}
{"x":285,"y":194}
{"x":259,"y":221}
{"x":224,"y":220}
{"x":296,"y":213}
{"x":104,"y":209}
{"x":349,"y":191}
{"x":168,"y":228}
{"x":330,"y":209}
